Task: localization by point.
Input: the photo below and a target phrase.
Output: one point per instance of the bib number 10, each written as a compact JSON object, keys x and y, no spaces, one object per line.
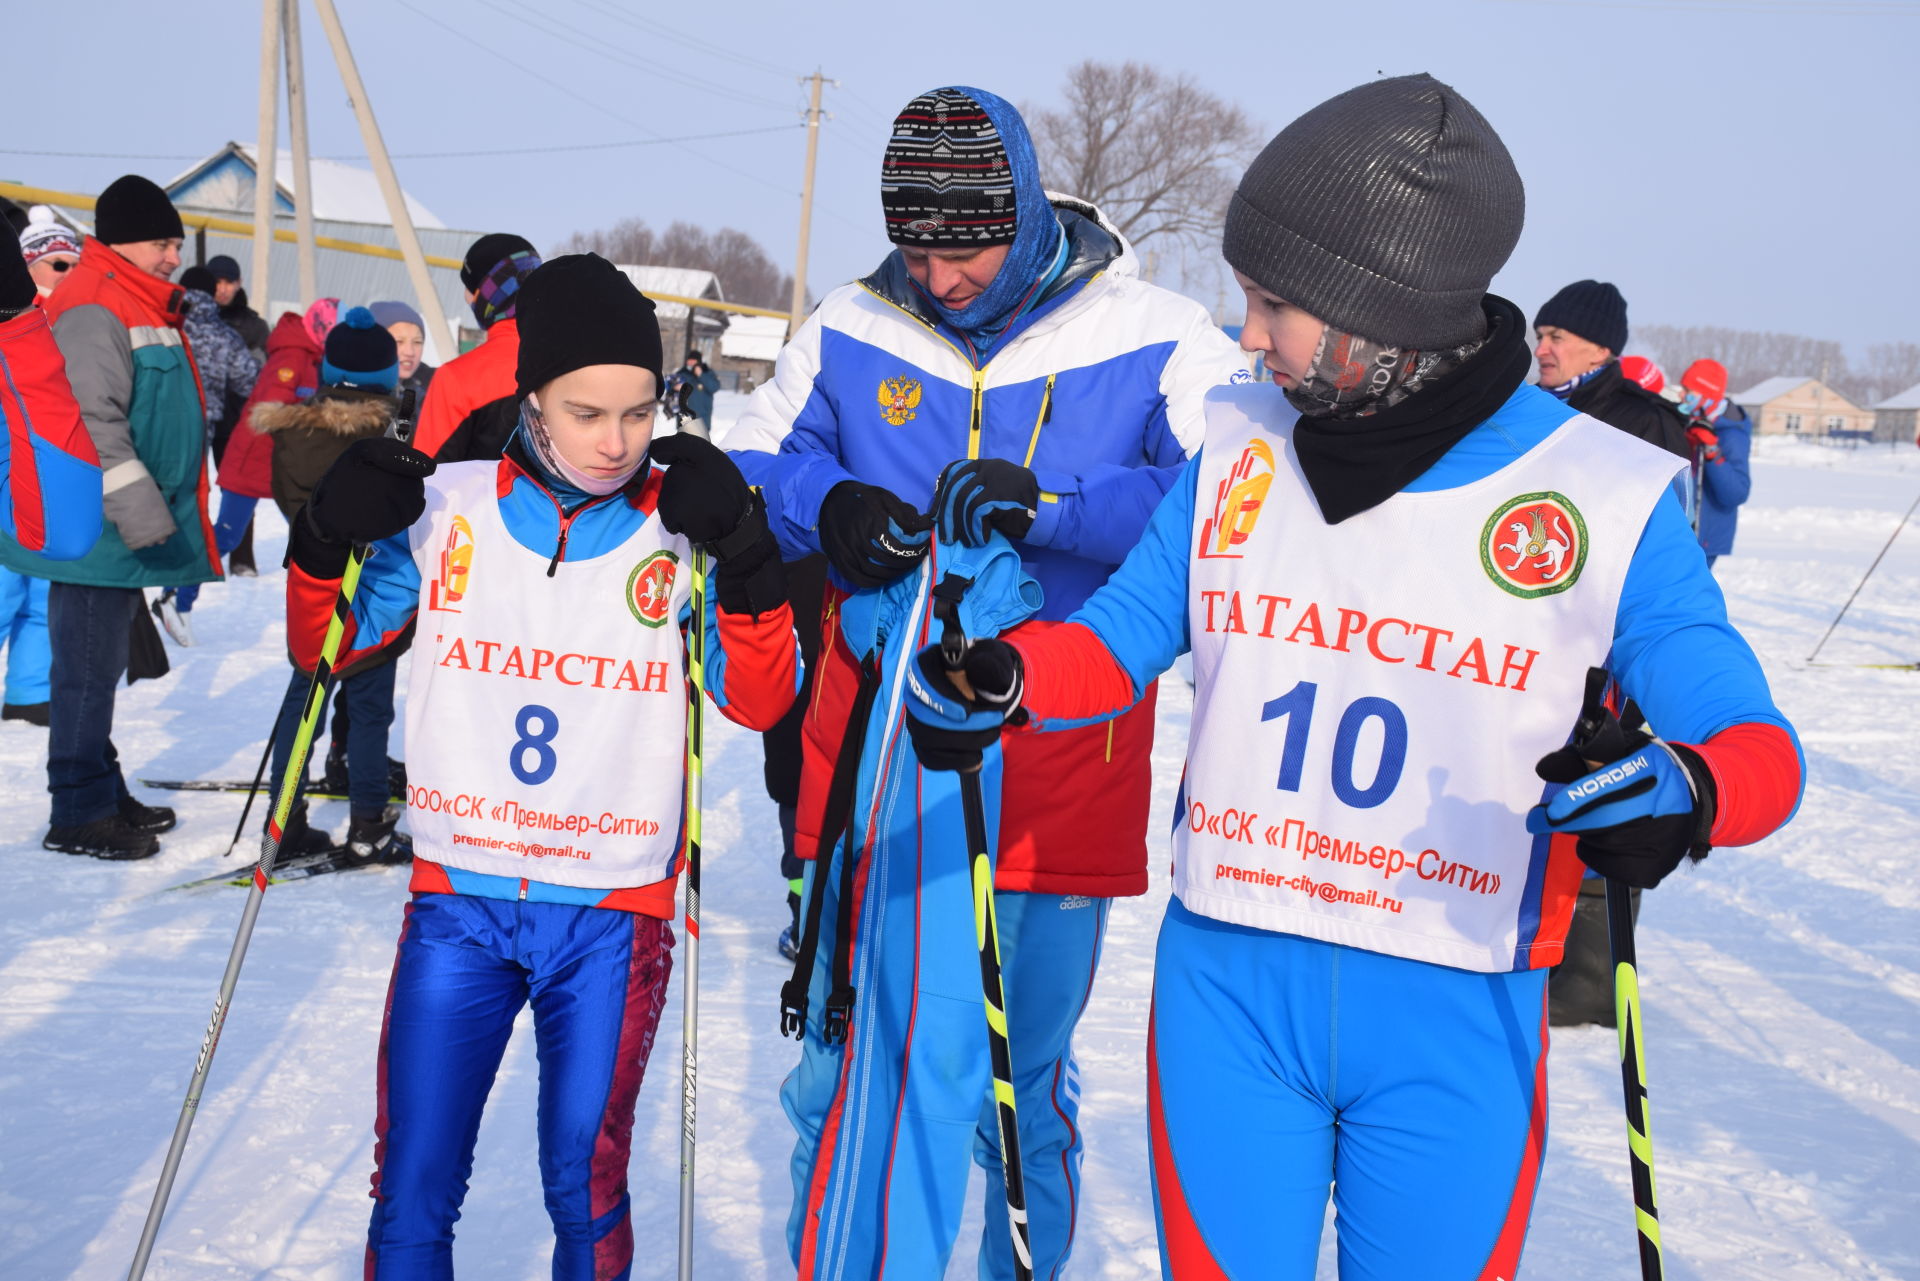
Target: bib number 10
{"x":1295,"y":707}
{"x":532,"y":758}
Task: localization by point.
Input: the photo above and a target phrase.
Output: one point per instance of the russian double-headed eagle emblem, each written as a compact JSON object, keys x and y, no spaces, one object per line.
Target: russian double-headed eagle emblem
{"x":899,"y":397}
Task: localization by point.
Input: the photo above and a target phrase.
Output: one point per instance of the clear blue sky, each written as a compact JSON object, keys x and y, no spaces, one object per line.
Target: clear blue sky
{"x":1750,"y":163}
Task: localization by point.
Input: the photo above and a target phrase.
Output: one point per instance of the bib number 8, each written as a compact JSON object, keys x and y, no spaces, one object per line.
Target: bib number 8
{"x":540,"y":745}
{"x":1296,"y":708}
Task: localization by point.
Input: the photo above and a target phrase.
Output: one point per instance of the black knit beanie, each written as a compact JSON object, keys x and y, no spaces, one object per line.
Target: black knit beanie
{"x":1593,"y":309}
{"x":198,"y":278}
{"x":579,"y":310}
{"x":133,"y":209}
{"x":484,"y":254}
{"x":1384,"y":211}
{"x":946,"y":179}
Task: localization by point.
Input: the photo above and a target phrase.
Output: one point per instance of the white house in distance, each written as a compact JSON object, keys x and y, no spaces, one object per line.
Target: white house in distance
{"x":347,"y":205}
{"x":1898,"y":417}
{"x":1790,"y":405}
{"x":681,"y":331}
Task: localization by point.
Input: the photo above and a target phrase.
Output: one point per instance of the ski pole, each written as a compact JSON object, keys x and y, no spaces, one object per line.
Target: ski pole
{"x":690,"y":973}
{"x":1633,"y":1076}
{"x":241,"y":827}
{"x":296,"y":770}
{"x":262,"y":877}
{"x":1863,"y":580}
{"x":986,"y":930}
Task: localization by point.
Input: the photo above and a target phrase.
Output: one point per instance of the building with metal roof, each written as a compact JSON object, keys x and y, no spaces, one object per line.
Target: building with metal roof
{"x":1787,"y":404}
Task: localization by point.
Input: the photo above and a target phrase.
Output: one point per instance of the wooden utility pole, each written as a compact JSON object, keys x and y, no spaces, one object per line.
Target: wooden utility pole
{"x":798,"y":309}
{"x":264,"y":152}
{"x":302,"y":164}
{"x":442,"y":338}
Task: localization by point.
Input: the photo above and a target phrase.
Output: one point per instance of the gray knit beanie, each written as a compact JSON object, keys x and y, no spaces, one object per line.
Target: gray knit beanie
{"x":1384,"y":211}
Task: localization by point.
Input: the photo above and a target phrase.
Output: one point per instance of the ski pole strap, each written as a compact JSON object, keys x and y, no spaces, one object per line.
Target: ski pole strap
{"x":839,"y":808}
{"x":947,"y":595}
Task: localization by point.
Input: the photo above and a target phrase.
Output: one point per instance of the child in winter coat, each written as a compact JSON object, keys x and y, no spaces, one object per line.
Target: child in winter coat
{"x":546,"y":726}
{"x":359,"y":370}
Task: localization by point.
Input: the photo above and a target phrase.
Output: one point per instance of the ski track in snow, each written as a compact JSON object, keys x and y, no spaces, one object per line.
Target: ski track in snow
{"x":1781,"y":988}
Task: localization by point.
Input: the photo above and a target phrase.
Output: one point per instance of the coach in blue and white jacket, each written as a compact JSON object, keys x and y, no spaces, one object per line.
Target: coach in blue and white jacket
{"x":1010,"y":337}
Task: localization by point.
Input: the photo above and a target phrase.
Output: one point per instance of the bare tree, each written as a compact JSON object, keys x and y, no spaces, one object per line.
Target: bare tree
{"x":1751,"y":356}
{"x":1890,"y":369}
{"x":746,"y":272}
{"x":1158,"y":154}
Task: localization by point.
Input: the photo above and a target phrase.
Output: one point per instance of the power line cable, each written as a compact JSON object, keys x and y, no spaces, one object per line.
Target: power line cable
{"x":437,"y":155}
{"x":696,"y":43}
{"x":589,"y":42}
{"x":570,"y":92}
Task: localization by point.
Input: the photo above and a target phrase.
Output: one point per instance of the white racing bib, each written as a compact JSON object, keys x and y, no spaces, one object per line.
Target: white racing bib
{"x":546,"y":716}
{"x":1371,"y":696}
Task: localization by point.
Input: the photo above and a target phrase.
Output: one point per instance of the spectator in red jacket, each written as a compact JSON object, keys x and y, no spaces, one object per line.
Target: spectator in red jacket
{"x":472,"y":408}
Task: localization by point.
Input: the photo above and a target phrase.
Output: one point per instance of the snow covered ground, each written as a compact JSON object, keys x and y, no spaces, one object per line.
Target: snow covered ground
{"x":1782,"y":989}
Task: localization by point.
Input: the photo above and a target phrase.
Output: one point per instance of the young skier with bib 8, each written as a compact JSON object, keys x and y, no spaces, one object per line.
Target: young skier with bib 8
{"x":1395,"y":571}
{"x":548,"y":595}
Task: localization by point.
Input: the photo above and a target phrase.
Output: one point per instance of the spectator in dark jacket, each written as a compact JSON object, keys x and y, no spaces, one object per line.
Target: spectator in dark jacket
{"x":690,"y":392}
{"x":232,"y":297}
{"x":227,"y":366}
{"x":1581,"y":330}
{"x":410,"y":340}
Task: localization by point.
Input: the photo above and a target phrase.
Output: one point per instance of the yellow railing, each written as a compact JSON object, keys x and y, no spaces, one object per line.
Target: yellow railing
{"x":73,"y":200}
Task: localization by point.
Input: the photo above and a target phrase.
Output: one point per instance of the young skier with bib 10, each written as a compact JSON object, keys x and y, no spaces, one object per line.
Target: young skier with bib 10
{"x":1395,"y":571}
{"x":546,"y":721}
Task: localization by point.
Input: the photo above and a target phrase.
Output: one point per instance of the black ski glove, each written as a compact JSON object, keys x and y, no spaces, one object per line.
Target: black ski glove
{"x":1640,"y":805}
{"x":950,"y":727}
{"x":374,"y":490}
{"x":870,"y":535}
{"x":979,"y":495}
{"x":704,"y":497}
{"x":17,"y":290}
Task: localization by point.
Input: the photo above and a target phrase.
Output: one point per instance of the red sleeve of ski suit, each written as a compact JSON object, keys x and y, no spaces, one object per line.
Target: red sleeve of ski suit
{"x":759,"y":676}
{"x":1756,"y":778}
{"x":1070,"y":677}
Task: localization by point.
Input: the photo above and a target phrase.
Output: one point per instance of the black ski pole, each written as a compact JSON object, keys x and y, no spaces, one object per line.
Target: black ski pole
{"x":1633,"y":1076}
{"x":986,"y":929}
{"x":1863,"y":580}
{"x":240,"y":828}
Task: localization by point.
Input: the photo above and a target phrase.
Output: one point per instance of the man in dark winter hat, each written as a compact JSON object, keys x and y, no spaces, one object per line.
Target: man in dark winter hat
{"x":470,"y":409}
{"x":1398,"y":572}
{"x":564,"y":567}
{"x":117,"y":320}
{"x":234,"y":309}
{"x":1008,"y":349}
{"x":1581,"y":331}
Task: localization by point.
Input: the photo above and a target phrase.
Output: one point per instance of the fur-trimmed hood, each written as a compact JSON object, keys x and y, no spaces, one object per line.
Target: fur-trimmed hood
{"x":335,"y":415}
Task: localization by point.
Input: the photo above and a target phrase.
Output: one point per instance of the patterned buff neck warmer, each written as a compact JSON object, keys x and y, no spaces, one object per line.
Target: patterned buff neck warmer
{"x":1352,"y":377}
{"x":499,"y":293}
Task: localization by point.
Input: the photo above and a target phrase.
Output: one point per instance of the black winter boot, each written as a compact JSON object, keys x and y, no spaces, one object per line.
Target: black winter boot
{"x":333,"y":777}
{"x":152,"y":819}
{"x":301,"y":839}
{"x":373,"y":840}
{"x":109,"y":838}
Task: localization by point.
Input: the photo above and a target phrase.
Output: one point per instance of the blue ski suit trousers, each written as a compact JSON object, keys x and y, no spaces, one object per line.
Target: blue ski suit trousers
{"x":597,"y":980}
{"x":1281,"y":1069}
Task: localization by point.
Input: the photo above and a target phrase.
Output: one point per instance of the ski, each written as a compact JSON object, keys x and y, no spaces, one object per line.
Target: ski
{"x":300,"y":867}
{"x":1872,"y":667}
{"x":241,"y":786}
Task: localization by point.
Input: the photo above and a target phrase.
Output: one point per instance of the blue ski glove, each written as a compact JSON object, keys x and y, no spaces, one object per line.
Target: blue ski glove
{"x":951,"y":729}
{"x":1639,"y":805}
{"x":979,"y":495}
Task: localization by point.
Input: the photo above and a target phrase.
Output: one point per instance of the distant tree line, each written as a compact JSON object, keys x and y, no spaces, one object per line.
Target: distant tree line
{"x":1752,"y":356}
{"x":746,"y":272}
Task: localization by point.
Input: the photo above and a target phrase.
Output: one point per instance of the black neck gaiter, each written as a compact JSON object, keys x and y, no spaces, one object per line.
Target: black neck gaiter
{"x":1353,"y":464}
